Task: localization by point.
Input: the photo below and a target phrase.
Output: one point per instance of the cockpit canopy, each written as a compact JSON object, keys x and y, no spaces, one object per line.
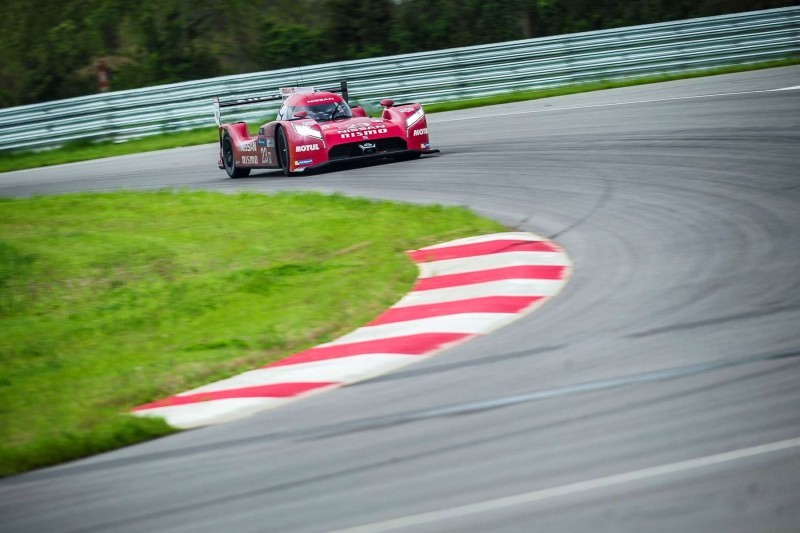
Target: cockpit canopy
{"x":321,"y":107}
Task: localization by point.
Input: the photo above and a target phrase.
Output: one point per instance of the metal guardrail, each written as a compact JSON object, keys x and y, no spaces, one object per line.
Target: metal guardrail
{"x":427,"y":77}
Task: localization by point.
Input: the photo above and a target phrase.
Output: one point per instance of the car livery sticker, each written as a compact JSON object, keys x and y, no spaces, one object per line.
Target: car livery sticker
{"x":288,"y":91}
{"x":248,"y":146}
{"x":249,"y":159}
{"x":304,"y":162}
{"x":266,"y":156}
{"x":416,"y":117}
{"x":361,"y":131}
{"x":318,"y":100}
{"x":307,"y":148}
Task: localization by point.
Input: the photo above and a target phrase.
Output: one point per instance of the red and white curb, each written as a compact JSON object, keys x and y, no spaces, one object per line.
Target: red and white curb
{"x":466,"y":287}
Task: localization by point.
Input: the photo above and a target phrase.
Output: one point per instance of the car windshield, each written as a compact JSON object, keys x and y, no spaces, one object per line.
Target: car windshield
{"x":326,"y":111}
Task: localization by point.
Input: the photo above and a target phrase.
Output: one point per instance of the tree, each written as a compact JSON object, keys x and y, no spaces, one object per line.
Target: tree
{"x":436,"y":24}
{"x":357,"y":29}
{"x":291,"y":45}
{"x":50,"y":49}
{"x":170,"y":41}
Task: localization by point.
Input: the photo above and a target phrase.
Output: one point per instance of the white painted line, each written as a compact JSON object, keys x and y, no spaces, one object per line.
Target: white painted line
{"x":572,"y":488}
{"x":788,"y":88}
{"x":487,"y":262}
{"x":507,"y":287}
{"x":474,"y":323}
{"x":339,"y":369}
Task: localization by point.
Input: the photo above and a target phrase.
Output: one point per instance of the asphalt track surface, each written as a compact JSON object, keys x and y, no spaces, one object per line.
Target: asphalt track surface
{"x":660,"y":391}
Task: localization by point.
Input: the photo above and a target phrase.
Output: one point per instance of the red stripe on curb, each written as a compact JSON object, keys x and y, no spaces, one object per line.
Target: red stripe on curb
{"x":550,"y":272}
{"x":419,"y":344}
{"x":278,"y":390}
{"x":488,"y":304}
{"x":481,"y":248}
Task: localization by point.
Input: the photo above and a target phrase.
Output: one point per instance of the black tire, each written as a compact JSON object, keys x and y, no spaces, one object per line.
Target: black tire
{"x":282,"y":147}
{"x":229,"y":161}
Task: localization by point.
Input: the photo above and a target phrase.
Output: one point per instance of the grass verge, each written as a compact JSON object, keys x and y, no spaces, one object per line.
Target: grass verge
{"x":108,"y":301}
{"x":82,"y":151}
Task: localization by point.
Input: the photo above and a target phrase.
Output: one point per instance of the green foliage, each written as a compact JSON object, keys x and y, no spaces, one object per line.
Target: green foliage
{"x":357,"y":29}
{"x":44,"y":46}
{"x":171,"y":45}
{"x":424,"y":25}
{"x":289,"y":45}
{"x":108,"y":301}
{"x":66,"y":445}
{"x":50,"y":50}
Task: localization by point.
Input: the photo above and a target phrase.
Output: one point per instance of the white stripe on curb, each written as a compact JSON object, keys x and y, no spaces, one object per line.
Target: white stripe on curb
{"x":473,"y":323}
{"x":341,"y":370}
{"x":506,"y":287}
{"x":487,"y":262}
{"x":207,"y":413}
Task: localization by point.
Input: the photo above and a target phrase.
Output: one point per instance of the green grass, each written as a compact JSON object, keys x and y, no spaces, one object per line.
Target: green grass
{"x":82,"y":151}
{"x":108,"y":301}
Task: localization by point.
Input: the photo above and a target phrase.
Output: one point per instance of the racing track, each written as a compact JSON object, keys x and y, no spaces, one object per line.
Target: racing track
{"x":639,"y":399}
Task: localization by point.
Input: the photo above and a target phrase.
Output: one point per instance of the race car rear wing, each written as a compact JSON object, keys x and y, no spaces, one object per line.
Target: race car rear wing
{"x":342,"y":89}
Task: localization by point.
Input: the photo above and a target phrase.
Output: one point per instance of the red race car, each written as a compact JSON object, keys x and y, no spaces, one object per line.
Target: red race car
{"x":317,"y":128}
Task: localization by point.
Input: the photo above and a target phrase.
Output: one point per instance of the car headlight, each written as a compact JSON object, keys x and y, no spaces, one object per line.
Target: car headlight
{"x":416,"y":117}
{"x":302,"y":129}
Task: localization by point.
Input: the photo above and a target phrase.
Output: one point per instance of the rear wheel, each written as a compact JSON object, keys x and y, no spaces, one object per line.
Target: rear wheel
{"x":229,"y":161}
{"x":282,"y":145}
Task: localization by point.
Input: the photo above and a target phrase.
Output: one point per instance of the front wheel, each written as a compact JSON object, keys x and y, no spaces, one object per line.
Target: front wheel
{"x":284,"y":156}
{"x":229,"y":161}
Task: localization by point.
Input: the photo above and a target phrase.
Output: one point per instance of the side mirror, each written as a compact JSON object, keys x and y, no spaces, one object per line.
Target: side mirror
{"x":387,"y":103}
{"x":301,"y":114}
